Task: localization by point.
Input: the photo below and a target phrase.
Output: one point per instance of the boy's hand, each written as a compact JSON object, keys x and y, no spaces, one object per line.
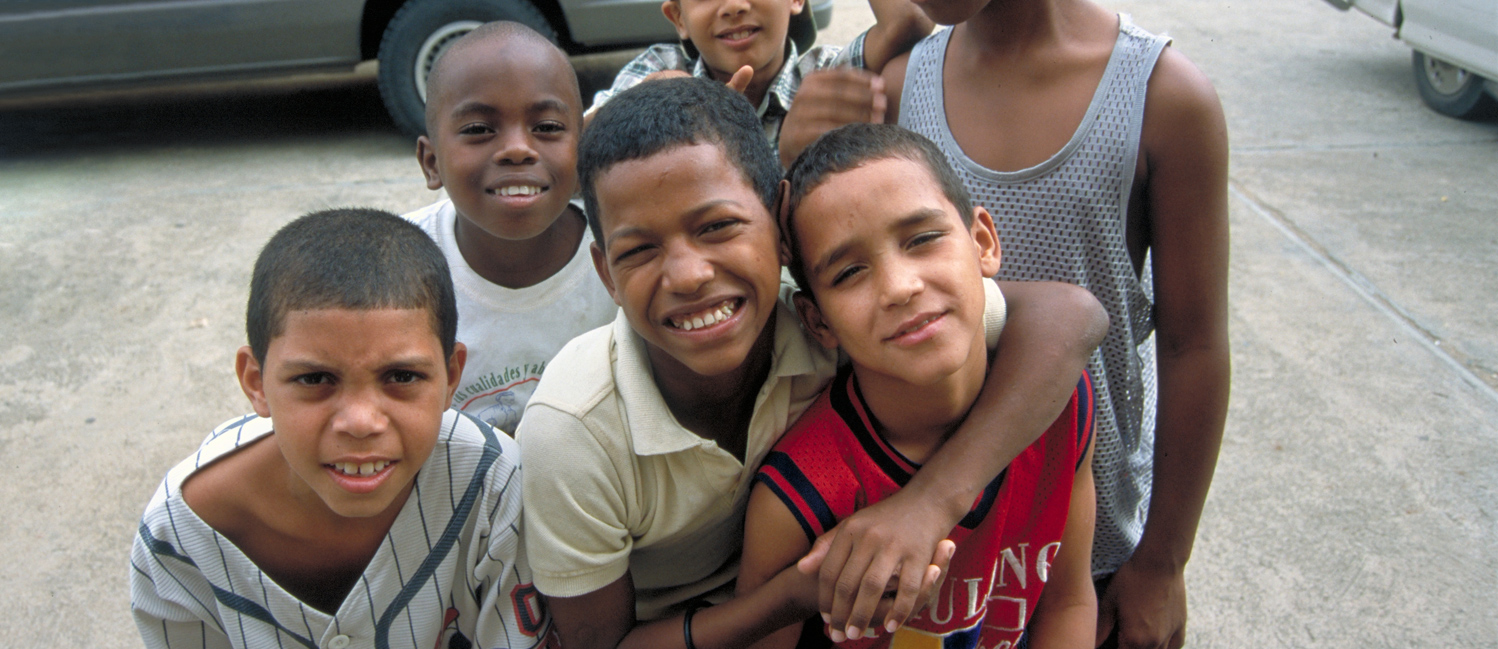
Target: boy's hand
{"x":826,"y":100}
{"x":887,"y":541}
{"x":1146,"y":607}
{"x":740,"y":80}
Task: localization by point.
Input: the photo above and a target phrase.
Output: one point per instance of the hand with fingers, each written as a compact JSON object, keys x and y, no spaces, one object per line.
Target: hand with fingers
{"x":1143,"y":608}
{"x":892,"y":541}
{"x":826,"y":100}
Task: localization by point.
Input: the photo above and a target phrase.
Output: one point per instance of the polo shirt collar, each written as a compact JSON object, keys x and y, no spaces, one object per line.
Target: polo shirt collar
{"x":652,"y":427}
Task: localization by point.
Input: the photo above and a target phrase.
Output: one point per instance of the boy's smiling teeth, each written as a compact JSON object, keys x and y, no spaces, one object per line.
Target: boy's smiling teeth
{"x":740,"y":34}
{"x":706,"y":317}
{"x":517,"y":190}
{"x":365,"y":469}
{"x":916,"y":326}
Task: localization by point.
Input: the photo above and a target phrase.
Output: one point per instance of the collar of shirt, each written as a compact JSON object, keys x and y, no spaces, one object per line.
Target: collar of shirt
{"x":782,"y":90}
{"x":653,"y":428}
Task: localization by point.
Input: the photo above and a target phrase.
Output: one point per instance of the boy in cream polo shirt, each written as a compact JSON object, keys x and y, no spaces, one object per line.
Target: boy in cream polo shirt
{"x":642,"y":438}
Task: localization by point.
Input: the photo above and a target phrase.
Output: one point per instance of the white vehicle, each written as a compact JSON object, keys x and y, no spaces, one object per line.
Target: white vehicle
{"x":1456,"y":49}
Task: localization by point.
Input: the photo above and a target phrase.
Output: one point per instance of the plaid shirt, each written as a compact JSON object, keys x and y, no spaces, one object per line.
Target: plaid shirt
{"x":672,"y":56}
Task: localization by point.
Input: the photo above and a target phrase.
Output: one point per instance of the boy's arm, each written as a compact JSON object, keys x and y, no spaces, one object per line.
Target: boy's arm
{"x":657,"y":61}
{"x":1185,"y":148}
{"x":898,"y":26}
{"x":1068,"y":606}
{"x":837,"y":96}
{"x":605,"y":618}
{"x":1051,"y":331}
{"x":773,"y":541}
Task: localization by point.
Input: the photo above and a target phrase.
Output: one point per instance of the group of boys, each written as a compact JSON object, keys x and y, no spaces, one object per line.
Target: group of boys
{"x":890,"y":449}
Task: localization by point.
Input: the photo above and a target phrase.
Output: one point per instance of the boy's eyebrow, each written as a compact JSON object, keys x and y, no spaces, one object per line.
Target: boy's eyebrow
{"x":918,"y":217}
{"x":539,"y":106}
{"x":706,"y":206}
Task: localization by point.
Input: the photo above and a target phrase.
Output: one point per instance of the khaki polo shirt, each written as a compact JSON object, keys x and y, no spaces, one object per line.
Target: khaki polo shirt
{"x":612,"y":482}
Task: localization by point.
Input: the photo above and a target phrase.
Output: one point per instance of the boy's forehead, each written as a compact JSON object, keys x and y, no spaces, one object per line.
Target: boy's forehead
{"x":347,"y":330}
{"x":499,"y":61}
{"x":681,"y":180}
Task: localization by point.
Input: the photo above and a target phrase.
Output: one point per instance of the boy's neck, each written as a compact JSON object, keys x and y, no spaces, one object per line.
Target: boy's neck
{"x":518,"y":264}
{"x":917,"y":419}
{"x":1005,"y":29}
{"x":716,"y":407}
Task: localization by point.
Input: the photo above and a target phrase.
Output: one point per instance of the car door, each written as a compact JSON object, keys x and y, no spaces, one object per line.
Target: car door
{"x":58,"y":43}
{"x":1461,"y":32}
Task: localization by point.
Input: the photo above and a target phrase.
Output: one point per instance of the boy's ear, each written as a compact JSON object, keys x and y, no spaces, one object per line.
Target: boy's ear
{"x":601,"y":266}
{"x":797,"y":6}
{"x":426,"y":156}
{"x":986,"y":235}
{"x":782,"y":220}
{"x":672,"y":10}
{"x":455,"y":364}
{"x":251,"y":380}
{"x":811,"y":316}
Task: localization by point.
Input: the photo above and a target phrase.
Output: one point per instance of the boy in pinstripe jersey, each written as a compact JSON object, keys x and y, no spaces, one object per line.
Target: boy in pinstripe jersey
{"x":353,"y":509}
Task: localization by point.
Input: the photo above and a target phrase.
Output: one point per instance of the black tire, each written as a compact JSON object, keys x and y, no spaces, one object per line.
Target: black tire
{"x":1450,"y":90}
{"x":419,"y":32}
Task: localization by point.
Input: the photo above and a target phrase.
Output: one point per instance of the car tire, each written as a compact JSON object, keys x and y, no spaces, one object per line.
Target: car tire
{"x":1450,"y":90}
{"x":420,"y":31}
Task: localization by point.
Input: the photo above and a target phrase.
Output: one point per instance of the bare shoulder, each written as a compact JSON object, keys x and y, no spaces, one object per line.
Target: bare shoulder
{"x":1182,"y":110}
{"x":894,"y":82}
{"x":219,"y":493}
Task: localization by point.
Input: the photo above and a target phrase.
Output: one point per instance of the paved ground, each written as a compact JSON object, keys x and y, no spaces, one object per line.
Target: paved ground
{"x":1355,"y":499}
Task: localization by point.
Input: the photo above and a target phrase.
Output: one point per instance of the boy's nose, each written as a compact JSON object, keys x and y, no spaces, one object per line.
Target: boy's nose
{"x":899,"y":283}
{"x":515,"y":149}
{"x":360,"y":415}
{"x":684,"y":270}
{"x":734,"y":7}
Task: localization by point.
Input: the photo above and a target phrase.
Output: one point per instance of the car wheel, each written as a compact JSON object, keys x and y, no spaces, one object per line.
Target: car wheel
{"x":419,"y":33}
{"x":1450,"y":90}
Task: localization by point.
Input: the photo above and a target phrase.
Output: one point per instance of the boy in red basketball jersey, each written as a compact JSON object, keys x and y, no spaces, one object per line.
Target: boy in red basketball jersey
{"x":891,"y":257}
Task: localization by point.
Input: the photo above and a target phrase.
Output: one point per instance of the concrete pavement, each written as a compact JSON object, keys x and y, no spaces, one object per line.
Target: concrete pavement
{"x":1354,"y":504}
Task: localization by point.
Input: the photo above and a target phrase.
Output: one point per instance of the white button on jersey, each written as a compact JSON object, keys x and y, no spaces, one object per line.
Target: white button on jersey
{"x":338,"y":642}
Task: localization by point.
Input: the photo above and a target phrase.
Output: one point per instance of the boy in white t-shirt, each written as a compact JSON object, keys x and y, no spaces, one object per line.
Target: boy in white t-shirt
{"x":503,"y":119}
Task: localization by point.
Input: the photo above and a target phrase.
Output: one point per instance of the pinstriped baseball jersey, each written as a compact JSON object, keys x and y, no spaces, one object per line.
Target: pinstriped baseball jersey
{"x":451,"y":573}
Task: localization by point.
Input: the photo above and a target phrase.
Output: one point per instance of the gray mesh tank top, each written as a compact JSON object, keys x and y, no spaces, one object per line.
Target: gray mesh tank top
{"x":1064,"y":220}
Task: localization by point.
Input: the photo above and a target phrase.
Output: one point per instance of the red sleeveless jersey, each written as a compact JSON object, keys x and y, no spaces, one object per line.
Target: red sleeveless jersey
{"x":832,"y":463}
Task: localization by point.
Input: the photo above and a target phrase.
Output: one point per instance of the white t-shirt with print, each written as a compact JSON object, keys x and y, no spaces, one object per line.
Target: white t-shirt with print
{"x":512,"y":334}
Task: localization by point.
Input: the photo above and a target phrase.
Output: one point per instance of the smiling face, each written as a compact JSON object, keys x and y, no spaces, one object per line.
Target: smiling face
{"x":731,"y":34}
{"x":689,"y":252}
{"x":503,"y":130}
{"x":357,"y":398}
{"x":896,"y":275}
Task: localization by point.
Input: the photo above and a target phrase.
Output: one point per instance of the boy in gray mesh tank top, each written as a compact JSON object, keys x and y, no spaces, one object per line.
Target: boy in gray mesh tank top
{"x":1102,"y":155}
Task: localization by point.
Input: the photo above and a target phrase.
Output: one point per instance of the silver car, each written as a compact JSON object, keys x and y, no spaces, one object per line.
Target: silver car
{"x":1455,"y":45}
{"x":52,"y":45}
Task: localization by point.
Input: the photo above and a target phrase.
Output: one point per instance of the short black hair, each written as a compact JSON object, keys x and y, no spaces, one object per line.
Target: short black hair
{"x":349,"y":258}
{"x":656,"y":116}
{"x":498,"y":30}
{"x":854,"y":145}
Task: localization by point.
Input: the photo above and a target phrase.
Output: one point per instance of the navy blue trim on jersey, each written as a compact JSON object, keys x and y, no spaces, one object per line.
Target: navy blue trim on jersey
{"x":804,"y":488}
{"x":845,"y":409}
{"x":446,"y":542}
{"x":162,"y":548}
{"x":1086,"y":413}
{"x":244,"y":606}
{"x":985,"y":502}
